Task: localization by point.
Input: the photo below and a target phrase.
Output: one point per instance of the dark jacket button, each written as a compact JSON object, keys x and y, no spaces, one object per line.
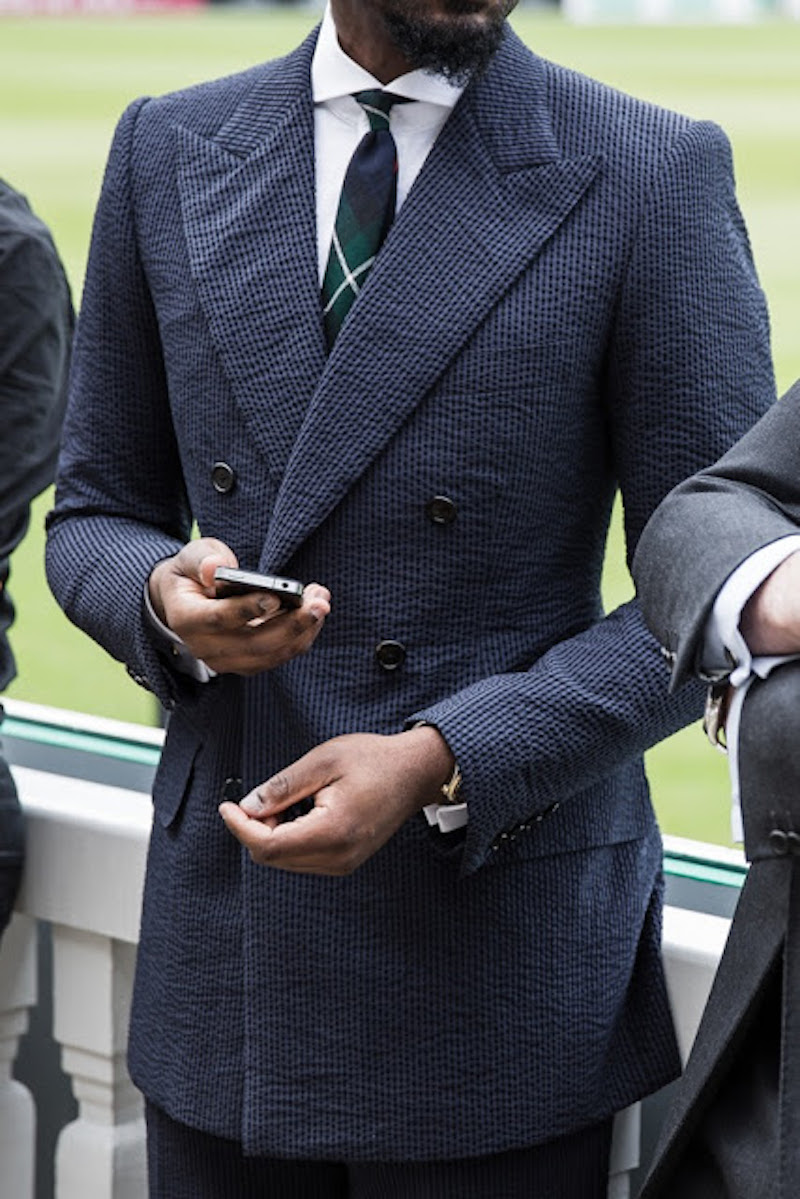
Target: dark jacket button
{"x":223,"y":477}
{"x":231,"y":790}
{"x":390,"y":654}
{"x":779,"y":842}
{"x":441,"y":510}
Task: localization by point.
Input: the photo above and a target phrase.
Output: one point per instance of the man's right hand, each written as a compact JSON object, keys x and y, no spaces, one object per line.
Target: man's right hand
{"x":241,"y":634}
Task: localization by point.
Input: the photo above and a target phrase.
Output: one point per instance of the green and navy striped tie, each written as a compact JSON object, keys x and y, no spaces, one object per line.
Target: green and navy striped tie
{"x":366,"y":210}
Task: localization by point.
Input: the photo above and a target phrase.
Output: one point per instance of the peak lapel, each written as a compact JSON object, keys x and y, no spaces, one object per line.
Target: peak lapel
{"x":493,"y":191}
{"x":247,"y":199}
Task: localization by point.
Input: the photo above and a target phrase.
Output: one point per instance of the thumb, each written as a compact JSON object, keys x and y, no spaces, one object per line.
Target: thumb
{"x":288,"y":787}
{"x":210,"y":561}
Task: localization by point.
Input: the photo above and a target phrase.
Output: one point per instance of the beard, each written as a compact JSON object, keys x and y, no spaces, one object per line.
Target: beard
{"x":459,"y":46}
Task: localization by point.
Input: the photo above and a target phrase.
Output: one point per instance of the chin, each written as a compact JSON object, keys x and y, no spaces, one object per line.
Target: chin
{"x":458,"y":39}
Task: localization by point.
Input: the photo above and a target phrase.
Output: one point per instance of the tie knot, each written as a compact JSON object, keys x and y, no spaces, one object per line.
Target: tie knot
{"x":377,"y":105}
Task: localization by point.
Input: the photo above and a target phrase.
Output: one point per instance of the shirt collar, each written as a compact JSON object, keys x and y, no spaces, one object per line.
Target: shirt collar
{"x":334,"y":74}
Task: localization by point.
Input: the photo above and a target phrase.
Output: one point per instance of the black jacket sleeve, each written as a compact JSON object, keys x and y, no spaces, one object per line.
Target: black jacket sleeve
{"x":36,"y":325}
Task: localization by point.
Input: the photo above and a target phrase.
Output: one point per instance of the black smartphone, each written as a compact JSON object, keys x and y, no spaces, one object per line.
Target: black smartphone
{"x":238,"y":582}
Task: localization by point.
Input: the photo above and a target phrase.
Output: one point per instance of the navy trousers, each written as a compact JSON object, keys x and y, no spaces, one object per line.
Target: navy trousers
{"x":186,"y":1164}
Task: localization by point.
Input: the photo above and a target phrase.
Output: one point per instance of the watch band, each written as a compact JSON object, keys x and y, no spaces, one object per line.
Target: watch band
{"x":451,"y":788}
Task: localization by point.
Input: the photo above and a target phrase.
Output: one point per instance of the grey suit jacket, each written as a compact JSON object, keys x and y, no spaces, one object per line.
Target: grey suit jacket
{"x":711,"y":523}
{"x":732,"y":1130}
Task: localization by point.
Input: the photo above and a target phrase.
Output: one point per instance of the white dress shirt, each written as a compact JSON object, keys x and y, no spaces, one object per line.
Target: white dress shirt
{"x":340,"y":123}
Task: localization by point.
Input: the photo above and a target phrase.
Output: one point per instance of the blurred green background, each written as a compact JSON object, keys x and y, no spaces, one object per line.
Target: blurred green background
{"x":64,"y":82}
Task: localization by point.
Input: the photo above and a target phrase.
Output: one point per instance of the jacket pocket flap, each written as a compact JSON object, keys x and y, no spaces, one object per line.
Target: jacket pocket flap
{"x":174,"y":774}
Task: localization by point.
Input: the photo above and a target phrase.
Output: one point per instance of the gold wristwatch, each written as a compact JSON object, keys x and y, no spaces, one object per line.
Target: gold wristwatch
{"x":451,"y":788}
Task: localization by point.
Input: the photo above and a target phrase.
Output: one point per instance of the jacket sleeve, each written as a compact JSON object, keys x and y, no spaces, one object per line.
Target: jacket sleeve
{"x":687,"y":371}
{"x":709,"y":524}
{"x":120,"y":498}
{"x":36,"y":323}
{"x":35,"y":339}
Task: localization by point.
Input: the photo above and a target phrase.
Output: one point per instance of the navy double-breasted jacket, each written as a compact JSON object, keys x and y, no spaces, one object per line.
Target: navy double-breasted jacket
{"x":565,"y":304}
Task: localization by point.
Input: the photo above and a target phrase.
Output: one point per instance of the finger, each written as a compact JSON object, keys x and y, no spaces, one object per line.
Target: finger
{"x":310,"y":844}
{"x":216,"y":554}
{"x":256,"y":608}
{"x":316,"y":600}
{"x":231,"y":614}
{"x":242,"y":826}
{"x":264,"y":643}
{"x":298,"y":781}
{"x":305,"y":777}
{"x":313,"y":610}
{"x":199,"y":559}
{"x":211,"y":625}
{"x":254,"y":835}
{"x":252,"y":608}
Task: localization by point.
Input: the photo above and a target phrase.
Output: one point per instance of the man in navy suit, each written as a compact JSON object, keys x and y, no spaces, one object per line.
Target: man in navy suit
{"x":401,"y":926}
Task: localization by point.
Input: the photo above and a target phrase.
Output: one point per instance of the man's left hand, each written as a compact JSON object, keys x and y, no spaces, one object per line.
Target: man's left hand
{"x":365,"y":786}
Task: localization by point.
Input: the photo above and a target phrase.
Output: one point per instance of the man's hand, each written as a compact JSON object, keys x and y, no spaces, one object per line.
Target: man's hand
{"x":241,"y":634}
{"x":770,"y":622}
{"x":365,"y":786}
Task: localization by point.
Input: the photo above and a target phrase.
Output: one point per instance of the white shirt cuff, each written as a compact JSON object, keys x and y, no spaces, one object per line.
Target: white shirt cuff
{"x":447,"y":816}
{"x":722,"y":630}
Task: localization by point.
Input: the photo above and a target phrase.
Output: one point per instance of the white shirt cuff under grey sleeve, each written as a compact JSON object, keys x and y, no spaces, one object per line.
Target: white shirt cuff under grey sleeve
{"x":723,"y":643}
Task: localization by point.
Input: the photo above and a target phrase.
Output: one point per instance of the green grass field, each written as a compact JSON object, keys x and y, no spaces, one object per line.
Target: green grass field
{"x":63,"y":83}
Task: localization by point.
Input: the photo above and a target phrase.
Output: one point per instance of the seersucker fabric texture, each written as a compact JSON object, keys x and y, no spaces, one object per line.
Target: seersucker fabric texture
{"x":573,"y":307}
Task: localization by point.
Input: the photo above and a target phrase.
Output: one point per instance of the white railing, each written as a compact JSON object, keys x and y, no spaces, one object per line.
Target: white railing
{"x":85,"y":864}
